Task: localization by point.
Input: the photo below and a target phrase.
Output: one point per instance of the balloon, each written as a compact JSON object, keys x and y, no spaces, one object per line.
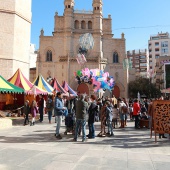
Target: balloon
{"x":75,"y":74}
{"x":79,"y":73}
{"x":99,"y":79}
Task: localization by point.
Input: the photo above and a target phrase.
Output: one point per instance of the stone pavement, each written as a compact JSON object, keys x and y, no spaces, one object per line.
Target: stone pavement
{"x":36,"y":148}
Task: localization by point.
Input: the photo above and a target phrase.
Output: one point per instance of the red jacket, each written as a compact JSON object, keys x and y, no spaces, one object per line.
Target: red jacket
{"x":136,"y":108}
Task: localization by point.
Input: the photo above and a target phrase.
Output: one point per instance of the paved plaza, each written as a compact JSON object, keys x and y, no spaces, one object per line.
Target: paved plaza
{"x":36,"y":148}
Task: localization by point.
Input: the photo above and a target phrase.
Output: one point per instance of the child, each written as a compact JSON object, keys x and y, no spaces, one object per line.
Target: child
{"x":26,"y":112}
{"x":109,"y":117}
{"x":34,"y":111}
{"x":115,"y":115}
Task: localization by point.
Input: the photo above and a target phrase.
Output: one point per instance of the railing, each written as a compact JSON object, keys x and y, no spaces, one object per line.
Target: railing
{"x":83,"y":11}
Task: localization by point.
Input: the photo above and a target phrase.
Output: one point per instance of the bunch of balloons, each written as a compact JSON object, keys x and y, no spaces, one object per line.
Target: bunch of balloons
{"x":99,"y":79}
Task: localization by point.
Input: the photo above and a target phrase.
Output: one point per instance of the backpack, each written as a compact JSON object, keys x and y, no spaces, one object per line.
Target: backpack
{"x":49,"y":104}
{"x":124,"y":109}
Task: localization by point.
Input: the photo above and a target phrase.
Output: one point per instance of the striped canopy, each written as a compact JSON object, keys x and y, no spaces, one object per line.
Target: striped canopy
{"x":7,"y":87}
{"x":55,"y":84}
{"x":41,"y":83}
{"x":18,"y":79}
{"x":67,"y":88}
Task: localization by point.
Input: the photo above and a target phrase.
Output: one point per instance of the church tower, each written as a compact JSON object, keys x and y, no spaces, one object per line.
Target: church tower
{"x":68,"y":14}
{"x":15,"y":36}
{"x":68,"y":26}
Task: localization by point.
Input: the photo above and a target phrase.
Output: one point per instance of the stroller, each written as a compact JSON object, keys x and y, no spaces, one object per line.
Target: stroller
{"x":70,"y":123}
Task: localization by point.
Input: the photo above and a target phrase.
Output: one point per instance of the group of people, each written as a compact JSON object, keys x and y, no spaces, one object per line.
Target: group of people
{"x":110,"y":111}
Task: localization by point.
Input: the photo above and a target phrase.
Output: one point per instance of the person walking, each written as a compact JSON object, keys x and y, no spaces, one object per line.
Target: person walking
{"x":115,"y":116}
{"x":49,"y":107}
{"x":26,"y":112}
{"x":93,"y":111}
{"x":59,"y":111}
{"x":136,"y":112}
{"x":109,"y":117}
{"x":34,"y":112}
{"x":81,"y":111}
{"x":41,"y":107}
{"x":122,"y":105}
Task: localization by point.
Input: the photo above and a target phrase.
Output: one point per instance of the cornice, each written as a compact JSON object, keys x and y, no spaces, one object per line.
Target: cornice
{"x":15,"y":13}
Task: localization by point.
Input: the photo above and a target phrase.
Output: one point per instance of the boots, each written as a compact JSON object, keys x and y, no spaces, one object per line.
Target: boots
{"x":122,"y":124}
{"x":162,"y":135}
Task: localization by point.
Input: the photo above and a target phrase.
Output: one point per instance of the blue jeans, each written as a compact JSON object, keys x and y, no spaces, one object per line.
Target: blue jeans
{"x":122,"y":116}
{"x":81,"y":122}
{"x":110,"y":127}
{"x":58,"y":125}
{"x":49,"y":115}
{"x":65,"y":112}
{"x":91,"y":130}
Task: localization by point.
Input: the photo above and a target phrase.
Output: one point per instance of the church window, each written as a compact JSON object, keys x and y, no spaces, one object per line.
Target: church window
{"x":83,"y":25}
{"x":115,"y":57}
{"x":89,"y":25}
{"x":49,"y":55}
{"x":76,"y":24}
{"x":68,"y":6}
{"x":98,"y":8}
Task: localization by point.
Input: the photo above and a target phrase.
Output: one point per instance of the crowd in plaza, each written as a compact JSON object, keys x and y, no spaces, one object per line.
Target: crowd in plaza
{"x":82,"y":109}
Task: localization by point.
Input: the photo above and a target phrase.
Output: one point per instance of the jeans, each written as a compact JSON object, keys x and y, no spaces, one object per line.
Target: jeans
{"x":110,"y":127}
{"x":65,"y":112}
{"x":58,"y":125}
{"x":49,"y":115}
{"x":41,"y":113}
{"x":150,"y":121}
{"x":91,"y":130}
{"x":122,"y":116}
{"x":81,"y":122}
{"x":136,"y":121}
{"x":26,"y":119}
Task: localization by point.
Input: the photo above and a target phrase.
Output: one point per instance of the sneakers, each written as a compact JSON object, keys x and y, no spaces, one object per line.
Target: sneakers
{"x":74,"y":140}
{"x":111,"y":135}
{"x":58,"y":136}
{"x":84,"y":140}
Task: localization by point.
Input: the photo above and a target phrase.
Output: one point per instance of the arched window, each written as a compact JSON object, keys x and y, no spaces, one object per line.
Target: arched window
{"x":83,"y":25}
{"x":76,"y":24}
{"x":49,"y":55}
{"x":115,"y":57}
{"x":89,"y":25}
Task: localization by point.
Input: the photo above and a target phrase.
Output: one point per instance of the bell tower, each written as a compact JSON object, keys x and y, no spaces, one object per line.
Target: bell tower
{"x":68,"y":14}
{"x":97,"y":6}
{"x":69,"y":4}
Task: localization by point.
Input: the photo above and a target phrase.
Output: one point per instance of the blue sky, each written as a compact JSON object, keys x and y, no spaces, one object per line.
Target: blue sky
{"x":128,"y":16}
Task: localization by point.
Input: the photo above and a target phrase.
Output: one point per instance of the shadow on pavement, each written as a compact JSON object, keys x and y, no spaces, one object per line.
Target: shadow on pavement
{"x":128,"y":138}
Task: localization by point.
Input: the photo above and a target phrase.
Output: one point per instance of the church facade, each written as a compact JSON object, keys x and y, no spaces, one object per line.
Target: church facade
{"x":57,"y":53}
{"x":15,"y":29}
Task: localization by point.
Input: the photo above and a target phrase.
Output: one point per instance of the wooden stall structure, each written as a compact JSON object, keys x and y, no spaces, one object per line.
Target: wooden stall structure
{"x":160,"y":117}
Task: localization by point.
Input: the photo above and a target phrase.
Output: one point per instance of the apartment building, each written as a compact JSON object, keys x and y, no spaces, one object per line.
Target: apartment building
{"x":158,"y":45}
{"x":140,"y":62}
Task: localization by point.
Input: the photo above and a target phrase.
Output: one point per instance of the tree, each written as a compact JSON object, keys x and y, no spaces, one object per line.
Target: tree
{"x":143,"y":86}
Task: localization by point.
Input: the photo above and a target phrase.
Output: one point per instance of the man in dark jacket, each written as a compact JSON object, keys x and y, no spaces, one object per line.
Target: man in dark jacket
{"x":81,"y":111}
{"x":59,"y":110}
{"x":41,"y":107}
{"x":93,"y":111}
{"x":26,"y":111}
